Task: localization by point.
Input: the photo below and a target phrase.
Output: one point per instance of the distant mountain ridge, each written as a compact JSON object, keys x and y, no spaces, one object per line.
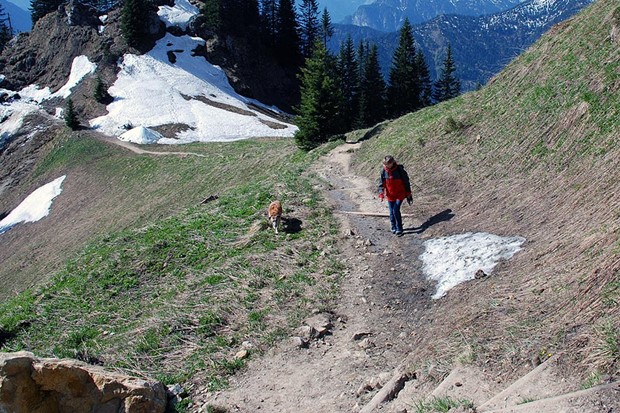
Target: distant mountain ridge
{"x":388,"y":15}
{"x":481,"y":46}
{"x":20,"y":18}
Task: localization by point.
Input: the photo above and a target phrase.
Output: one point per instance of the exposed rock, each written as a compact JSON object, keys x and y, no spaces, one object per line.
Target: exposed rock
{"x":321,"y":323}
{"x":36,"y":385}
{"x":360,"y":335}
{"x":251,"y":70}
{"x":307,"y":332}
{"x":480,"y":274}
{"x":366,"y":344}
{"x":299,"y":342}
{"x":80,"y":14}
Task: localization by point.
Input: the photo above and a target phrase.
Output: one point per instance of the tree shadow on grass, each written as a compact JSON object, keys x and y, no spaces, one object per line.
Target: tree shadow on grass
{"x":445,"y":215}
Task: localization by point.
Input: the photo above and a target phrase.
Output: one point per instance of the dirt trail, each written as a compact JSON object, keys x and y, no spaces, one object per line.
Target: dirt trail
{"x":382,"y":298}
{"x":137,"y":150}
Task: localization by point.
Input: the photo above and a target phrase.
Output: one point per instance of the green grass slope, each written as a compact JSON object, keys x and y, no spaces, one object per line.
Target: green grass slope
{"x":535,"y":153}
{"x":160,"y":284}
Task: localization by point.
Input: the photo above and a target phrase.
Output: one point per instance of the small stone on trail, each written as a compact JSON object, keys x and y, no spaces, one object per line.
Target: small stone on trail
{"x":361,"y":334}
{"x":241,"y":355}
{"x":307,"y":332}
{"x":320,"y":323}
{"x":299,"y":342}
{"x":480,"y":274}
{"x":366,"y":344}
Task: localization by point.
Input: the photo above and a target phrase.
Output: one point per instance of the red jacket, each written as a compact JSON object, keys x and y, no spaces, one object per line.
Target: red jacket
{"x":394,"y":183}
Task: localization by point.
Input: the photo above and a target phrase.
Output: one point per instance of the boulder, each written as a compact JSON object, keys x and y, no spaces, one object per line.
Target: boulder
{"x":40,"y":385}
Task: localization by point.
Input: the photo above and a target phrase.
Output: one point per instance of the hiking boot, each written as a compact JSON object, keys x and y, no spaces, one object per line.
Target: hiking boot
{"x":399,"y":233}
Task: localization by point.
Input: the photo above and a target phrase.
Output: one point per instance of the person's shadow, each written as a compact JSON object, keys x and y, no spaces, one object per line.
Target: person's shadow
{"x":445,"y":215}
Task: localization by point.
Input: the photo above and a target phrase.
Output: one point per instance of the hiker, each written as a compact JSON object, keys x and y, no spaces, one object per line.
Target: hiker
{"x":394,"y":185}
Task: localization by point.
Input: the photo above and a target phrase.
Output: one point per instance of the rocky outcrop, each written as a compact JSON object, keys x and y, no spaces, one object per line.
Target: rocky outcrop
{"x":36,"y":385}
{"x":44,"y":56}
{"x":252,"y":71}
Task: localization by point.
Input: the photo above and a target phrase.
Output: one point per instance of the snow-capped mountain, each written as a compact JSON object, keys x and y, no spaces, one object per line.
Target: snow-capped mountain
{"x":481,"y":46}
{"x":340,"y":9}
{"x":388,"y":15}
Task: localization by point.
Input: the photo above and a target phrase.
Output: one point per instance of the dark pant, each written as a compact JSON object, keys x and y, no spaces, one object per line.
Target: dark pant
{"x":396,"y":220}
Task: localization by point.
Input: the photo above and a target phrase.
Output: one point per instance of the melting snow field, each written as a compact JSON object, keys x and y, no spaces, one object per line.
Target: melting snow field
{"x":168,"y":85}
{"x":37,"y":205}
{"x":453,"y":260}
{"x":151,"y":91}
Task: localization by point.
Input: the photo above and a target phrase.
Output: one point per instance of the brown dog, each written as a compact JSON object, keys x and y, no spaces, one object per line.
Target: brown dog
{"x":275,"y":214}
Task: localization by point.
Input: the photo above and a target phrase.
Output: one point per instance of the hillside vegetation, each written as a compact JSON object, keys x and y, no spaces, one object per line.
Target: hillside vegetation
{"x":163,"y":285}
{"x":536,"y":153}
{"x":167,"y":286}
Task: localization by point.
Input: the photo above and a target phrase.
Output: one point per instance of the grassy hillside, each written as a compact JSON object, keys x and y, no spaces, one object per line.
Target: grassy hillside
{"x":536,"y":153}
{"x":164,"y":286}
{"x":168,"y":287}
{"x":109,"y":188}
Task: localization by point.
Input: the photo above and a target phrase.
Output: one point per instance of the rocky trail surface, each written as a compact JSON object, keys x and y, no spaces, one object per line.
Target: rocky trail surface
{"x":357,"y":358}
{"x":356,"y":348}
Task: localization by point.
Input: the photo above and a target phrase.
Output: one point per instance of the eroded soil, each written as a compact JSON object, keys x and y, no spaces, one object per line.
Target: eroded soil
{"x":383,"y":297}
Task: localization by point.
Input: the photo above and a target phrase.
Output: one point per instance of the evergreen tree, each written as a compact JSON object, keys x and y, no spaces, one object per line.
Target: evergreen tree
{"x":39,"y":8}
{"x":362,"y":55}
{"x":250,"y":15}
{"x":100,"y":93}
{"x":6,"y":31}
{"x":70,"y":116}
{"x":327,"y":28}
{"x":211,"y":13}
{"x":134,"y":20}
{"x":404,"y":88}
{"x":447,"y":86}
{"x":321,"y":100}
{"x":309,"y":26}
{"x":348,"y":72}
{"x":424,"y":76}
{"x":372,"y":100}
{"x":240,"y":17}
{"x":269,"y":21}
{"x":287,"y":39}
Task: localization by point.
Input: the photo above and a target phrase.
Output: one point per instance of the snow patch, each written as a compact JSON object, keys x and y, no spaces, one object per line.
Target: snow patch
{"x":141,"y":135}
{"x":169,"y":85}
{"x":80,"y":68}
{"x":36,"y":206}
{"x":453,"y":260}
{"x":178,"y":15}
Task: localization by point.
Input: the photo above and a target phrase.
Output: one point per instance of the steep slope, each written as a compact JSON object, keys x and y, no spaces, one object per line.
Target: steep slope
{"x":535,"y":154}
{"x":481,"y":46}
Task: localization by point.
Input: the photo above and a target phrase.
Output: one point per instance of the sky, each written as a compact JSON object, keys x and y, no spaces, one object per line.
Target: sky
{"x":151,"y":91}
{"x":22,"y":4}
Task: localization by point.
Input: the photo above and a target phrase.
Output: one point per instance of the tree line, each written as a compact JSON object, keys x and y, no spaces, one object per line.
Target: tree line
{"x":339,"y":92}
{"x":348,"y":91}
